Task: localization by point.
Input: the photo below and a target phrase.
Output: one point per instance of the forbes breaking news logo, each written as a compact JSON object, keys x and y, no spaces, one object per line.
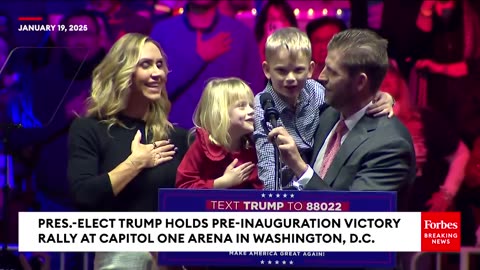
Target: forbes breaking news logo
{"x":441,"y":231}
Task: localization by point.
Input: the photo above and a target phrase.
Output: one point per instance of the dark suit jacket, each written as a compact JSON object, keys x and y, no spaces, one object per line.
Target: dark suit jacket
{"x":377,"y":155}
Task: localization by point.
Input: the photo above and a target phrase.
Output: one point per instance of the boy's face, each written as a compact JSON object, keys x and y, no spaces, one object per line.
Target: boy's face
{"x":288,"y":72}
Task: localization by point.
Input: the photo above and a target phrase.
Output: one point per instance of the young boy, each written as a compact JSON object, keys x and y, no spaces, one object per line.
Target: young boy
{"x":288,"y":66}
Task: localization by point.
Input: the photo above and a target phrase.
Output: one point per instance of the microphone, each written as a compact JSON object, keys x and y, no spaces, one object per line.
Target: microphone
{"x":270,"y":113}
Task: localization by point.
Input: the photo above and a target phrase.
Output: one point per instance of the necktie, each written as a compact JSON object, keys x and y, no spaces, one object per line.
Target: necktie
{"x":332,"y":147}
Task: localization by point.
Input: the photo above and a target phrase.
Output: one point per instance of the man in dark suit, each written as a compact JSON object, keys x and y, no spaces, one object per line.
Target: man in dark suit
{"x":353,"y":151}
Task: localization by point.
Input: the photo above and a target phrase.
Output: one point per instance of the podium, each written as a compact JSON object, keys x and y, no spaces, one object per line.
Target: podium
{"x":187,"y":200}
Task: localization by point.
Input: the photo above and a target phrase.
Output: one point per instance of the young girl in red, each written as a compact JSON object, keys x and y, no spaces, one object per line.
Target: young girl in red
{"x":222,"y":155}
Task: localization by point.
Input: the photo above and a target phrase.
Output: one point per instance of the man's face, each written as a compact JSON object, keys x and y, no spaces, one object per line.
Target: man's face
{"x":288,"y":72}
{"x":78,"y":41}
{"x":320,"y":39}
{"x":339,"y":86}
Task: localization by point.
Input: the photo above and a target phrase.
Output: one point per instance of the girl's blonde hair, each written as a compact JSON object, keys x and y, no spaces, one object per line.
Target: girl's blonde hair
{"x":212,"y":112}
{"x":111,"y":86}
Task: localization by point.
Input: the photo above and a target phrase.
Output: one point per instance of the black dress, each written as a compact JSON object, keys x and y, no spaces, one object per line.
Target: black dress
{"x":94,"y":150}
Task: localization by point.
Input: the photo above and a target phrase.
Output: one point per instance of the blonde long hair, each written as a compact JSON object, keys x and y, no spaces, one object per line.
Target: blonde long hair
{"x":111,"y":86}
{"x":212,"y":112}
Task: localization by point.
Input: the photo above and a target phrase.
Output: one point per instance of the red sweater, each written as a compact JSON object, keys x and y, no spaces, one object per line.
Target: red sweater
{"x":205,"y":161}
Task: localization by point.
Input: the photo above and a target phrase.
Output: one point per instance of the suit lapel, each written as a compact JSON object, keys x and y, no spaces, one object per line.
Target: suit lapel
{"x":328,"y":119}
{"x":359,"y":134}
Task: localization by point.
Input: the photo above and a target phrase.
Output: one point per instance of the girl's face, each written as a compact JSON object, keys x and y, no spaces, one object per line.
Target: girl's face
{"x":241,"y":118}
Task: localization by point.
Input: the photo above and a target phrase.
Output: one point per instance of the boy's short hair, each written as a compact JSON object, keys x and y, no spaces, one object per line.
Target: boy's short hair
{"x":290,"y":38}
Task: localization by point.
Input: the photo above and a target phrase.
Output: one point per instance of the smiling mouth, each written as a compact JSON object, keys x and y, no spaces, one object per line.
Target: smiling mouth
{"x":153,"y":85}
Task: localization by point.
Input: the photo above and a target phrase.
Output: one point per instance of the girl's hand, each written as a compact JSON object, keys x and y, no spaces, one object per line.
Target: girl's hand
{"x":236,"y":175}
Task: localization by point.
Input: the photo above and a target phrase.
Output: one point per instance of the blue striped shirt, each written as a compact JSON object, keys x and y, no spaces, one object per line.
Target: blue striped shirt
{"x":301,"y":123}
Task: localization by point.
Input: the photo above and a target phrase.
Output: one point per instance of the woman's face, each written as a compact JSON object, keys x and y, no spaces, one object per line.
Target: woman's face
{"x":150,"y":76}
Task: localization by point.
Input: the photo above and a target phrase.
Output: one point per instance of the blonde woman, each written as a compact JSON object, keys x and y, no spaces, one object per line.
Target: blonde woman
{"x":222,"y":155}
{"x":125,"y":148}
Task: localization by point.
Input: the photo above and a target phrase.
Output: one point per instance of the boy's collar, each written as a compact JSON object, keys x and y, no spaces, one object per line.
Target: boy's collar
{"x":281,"y":104}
